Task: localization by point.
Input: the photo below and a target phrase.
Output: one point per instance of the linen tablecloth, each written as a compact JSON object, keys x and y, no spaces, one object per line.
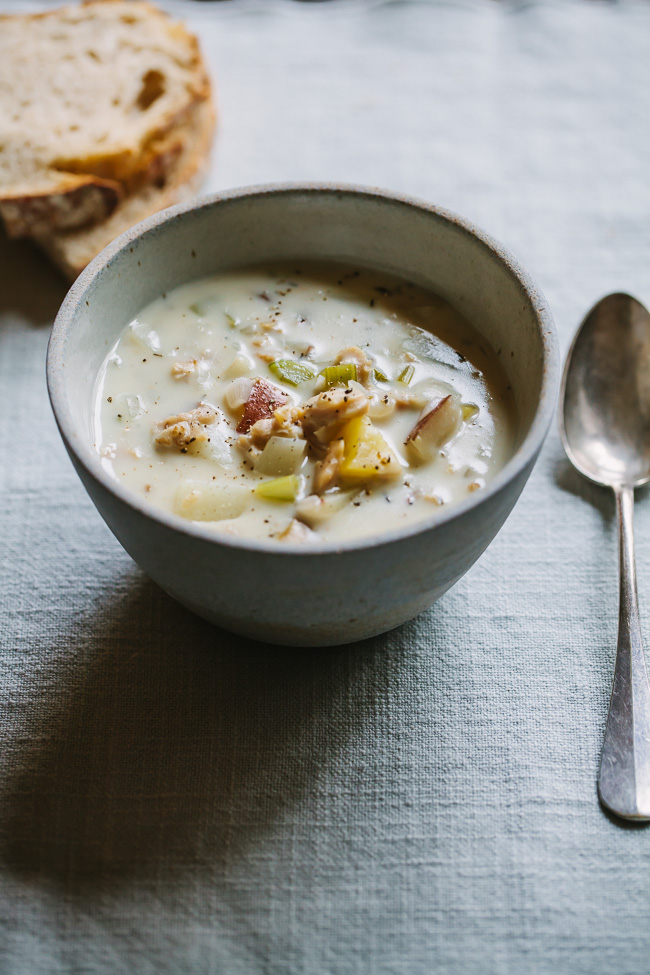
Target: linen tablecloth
{"x":174,"y":799}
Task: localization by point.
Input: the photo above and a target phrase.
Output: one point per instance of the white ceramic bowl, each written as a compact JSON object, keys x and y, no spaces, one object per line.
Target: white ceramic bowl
{"x":296,"y":595}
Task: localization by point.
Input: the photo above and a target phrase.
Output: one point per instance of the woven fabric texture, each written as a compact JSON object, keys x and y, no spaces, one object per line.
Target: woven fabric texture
{"x":176,"y":799}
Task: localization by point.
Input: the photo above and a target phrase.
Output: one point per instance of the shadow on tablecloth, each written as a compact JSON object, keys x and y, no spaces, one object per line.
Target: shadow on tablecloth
{"x":175,"y":744}
{"x":153,"y":743}
{"x":29,"y":285}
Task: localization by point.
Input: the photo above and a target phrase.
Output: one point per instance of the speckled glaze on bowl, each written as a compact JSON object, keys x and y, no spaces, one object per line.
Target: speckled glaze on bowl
{"x":297,"y":595}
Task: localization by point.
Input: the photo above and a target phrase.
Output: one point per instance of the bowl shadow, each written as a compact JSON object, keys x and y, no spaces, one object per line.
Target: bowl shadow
{"x":175,"y":743}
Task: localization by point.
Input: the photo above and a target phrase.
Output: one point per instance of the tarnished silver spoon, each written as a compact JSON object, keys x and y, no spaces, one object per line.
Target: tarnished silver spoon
{"x":605,"y":429}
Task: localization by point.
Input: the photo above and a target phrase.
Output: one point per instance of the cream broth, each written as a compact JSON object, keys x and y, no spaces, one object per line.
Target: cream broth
{"x":307,"y":403}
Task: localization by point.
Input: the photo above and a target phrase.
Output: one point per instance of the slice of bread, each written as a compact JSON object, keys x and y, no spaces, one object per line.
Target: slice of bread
{"x":72,"y":250}
{"x":34,"y":205}
{"x":93,"y":101}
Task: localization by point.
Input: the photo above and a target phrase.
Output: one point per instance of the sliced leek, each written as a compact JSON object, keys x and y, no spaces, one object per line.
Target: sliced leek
{"x":406,"y":375}
{"x":279,"y":489}
{"x":291,"y":372}
{"x":339,"y":375}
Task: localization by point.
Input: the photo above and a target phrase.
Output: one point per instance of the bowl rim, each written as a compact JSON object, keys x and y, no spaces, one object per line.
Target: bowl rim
{"x":89,"y":458}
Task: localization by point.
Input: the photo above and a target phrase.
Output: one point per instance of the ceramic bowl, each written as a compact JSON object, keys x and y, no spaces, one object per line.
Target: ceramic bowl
{"x":296,"y":595}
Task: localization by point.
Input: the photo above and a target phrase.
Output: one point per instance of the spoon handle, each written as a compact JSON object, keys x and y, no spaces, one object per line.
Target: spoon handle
{"x":624,"y":779}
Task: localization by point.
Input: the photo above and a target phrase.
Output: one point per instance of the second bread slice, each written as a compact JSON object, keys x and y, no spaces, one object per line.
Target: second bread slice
{"x":91,"y":101}
{"x":71,"y":251}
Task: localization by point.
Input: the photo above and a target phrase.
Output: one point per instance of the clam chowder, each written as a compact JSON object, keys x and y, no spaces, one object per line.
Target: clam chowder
{"x":308,"y":403}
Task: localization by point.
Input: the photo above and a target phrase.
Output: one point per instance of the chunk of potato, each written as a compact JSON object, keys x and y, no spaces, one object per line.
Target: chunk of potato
{"x":263,"y":400}
{"x":440,"y":422}
{"x":212,"y":500}
{"x":366,"y":455}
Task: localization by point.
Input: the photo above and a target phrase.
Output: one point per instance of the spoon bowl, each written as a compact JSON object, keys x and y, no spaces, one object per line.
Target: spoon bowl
{"x":605,"y":422}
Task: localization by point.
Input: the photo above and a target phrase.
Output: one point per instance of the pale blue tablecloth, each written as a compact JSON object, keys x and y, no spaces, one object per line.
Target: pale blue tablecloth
{"x":177,"y":800}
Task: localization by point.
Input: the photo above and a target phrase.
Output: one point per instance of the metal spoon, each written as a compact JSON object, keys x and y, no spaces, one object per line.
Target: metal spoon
{"x":605,"y":429}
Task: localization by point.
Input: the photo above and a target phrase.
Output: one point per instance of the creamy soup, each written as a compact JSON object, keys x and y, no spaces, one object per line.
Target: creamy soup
{"x":304,"y":403}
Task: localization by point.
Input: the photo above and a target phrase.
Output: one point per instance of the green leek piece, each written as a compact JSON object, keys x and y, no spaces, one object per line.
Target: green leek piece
{"x":279,"y":489}
{"x":291,"y":372}
{"x":469,"y":411}
{"x":203,"y":308}
{"x":380,"y":377}
{"x":343,"y":373}
{"x":406,"y":375}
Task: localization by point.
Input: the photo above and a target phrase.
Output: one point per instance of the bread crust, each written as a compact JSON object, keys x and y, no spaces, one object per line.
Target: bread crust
{"x":73,"y":189}
{"x":75,"y":202}
{"x":71,"y":251}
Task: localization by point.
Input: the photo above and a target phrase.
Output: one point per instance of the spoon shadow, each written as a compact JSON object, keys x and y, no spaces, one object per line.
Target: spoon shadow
{"x":630,"y":824}
{"x":600,"y":497}
{"x":573,"y":482}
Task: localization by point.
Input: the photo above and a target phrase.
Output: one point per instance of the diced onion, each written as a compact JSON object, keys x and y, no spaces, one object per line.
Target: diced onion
{"x":281,"y":456}
{"x":203,"y":375}
{"x":237,"y":393}
{"x":382,"y":405}
{"x":147,"y":336}
{"x":239,"y":366}
{"x":132,"y":405}
{"x":216,"y":448}
{"x":429,"y":391}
